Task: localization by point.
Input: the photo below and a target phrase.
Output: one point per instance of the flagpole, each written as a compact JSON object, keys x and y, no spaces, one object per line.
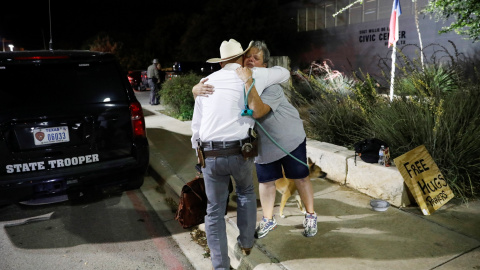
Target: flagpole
{"x":392,"y":75}
{"x":392,"y":40}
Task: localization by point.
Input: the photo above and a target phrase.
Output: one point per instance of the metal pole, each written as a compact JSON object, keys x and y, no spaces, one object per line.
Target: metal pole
{"x":50,"y":19}
{"x":392,"y":76}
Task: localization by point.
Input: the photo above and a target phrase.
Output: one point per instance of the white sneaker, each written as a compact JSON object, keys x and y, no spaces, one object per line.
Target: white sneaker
{"x":310,"y":225}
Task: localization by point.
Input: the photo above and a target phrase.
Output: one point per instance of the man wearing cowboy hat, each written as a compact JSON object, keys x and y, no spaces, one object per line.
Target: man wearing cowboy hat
{"x":220,"y":131}
{"x":282,"y":121}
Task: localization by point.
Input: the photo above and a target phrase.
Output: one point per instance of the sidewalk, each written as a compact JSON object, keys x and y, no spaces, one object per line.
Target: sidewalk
{"x":351,"y":235}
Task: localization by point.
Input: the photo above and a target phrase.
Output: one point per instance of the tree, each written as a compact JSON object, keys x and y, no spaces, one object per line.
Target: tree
{"x":164,"y":40}
{"x":419,"y":34}
{"x":242,"y":20}
{"x":129,"y":57}
{"x":464,"y":14}
{"x":105,"y":44}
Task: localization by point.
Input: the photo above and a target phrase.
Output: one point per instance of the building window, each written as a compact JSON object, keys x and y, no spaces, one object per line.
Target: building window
{"x":369,"y":10}
{"x":302,"y":19}
{"x":321,"y":16}
{"x":311,"y":18}
{"x":356,"y":13}
{"x":342,"y":18}
{"x":329,"y":11}
{"x":385,"y":9}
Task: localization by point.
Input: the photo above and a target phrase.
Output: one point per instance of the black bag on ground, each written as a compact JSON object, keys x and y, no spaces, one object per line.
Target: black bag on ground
{"x":368,"y":149}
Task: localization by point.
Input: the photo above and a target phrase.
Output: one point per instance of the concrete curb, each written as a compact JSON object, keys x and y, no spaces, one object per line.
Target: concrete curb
{"x":336,"y":160}
{"x":339,"y":163}
{"x":352,"y":235}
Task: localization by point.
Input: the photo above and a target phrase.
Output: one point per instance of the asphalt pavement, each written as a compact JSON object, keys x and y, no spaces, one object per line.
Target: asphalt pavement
{"x":351,"y":235}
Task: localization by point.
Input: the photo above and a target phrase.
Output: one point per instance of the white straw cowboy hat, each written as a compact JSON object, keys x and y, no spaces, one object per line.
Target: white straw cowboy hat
{"x":229,"y":50}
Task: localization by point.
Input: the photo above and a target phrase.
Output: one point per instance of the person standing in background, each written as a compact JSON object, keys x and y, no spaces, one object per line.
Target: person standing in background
{"x":153,"y":77}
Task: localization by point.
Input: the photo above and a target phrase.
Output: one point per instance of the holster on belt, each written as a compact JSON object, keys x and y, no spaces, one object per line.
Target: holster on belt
{"x":250,"y":150}
{"x":201,"y":155}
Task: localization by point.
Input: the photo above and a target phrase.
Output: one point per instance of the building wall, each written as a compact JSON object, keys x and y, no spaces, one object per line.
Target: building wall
{"x":357,"y":38}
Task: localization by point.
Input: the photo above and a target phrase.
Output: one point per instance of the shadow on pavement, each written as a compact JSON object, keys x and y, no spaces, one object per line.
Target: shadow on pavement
{"x":114,"y":219}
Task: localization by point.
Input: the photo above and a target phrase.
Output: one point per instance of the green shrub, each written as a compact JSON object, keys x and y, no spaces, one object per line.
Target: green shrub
{"x":177,"y":95}
{"x":337,"y":105}
{"x":443,"y":114}
{"x":334,"y":120}
{"x":449,"y":127}
{"x":456,"y":140}
{"x":433,"y":80}
{"x":365,"y":94}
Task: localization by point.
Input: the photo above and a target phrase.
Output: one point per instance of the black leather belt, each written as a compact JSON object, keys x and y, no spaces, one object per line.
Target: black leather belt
{"x":227,"y":148}
{"x":223,"y":152}
{"x":216,"y":145}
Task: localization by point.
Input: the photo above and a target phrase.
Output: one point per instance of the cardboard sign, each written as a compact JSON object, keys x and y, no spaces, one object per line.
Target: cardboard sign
{"x":424,"y":179}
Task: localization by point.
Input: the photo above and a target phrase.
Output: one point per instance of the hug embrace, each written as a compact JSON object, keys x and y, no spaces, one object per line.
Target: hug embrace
{"x":220,"y":132}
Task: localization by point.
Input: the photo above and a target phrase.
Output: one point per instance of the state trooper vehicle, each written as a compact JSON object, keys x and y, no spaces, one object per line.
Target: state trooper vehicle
{"x":70,"y":124}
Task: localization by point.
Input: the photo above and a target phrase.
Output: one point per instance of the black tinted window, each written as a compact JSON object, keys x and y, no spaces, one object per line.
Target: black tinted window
{"x":26,"y":84}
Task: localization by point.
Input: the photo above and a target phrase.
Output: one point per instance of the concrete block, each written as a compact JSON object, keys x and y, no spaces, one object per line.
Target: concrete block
{"x":331,"y":158}
{"x":324,"y":145}
{"x":380,"y":182}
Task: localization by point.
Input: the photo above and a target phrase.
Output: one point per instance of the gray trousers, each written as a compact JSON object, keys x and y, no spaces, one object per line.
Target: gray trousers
{"x":217,"y":174}
{"x":153,"y":92}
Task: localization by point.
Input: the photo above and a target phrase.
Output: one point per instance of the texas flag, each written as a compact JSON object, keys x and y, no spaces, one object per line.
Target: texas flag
{"x":396,"y":11}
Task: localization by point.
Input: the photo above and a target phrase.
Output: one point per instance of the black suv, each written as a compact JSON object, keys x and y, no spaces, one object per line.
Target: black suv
{"x":69,"y":124}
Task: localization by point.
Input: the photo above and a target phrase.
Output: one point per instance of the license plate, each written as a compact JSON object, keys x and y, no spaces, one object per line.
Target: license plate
{"x":50,"y":135}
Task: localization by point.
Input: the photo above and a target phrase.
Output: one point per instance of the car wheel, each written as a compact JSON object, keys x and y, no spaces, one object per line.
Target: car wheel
{"x":135,"y":183}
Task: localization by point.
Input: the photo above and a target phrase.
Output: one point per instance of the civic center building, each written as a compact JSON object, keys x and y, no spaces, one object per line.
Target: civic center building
{"x":357,"y":38}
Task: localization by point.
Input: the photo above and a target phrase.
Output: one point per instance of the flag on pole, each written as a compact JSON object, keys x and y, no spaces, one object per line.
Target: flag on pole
{"x":396,"y":11}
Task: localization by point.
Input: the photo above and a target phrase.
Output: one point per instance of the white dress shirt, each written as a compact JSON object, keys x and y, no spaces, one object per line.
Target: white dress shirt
{"x":218,"y":116}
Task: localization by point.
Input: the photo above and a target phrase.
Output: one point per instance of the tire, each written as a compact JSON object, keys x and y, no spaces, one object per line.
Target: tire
{"x":135,"y":183}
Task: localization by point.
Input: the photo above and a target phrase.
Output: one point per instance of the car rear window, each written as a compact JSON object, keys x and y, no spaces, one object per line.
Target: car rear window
{"x":50,"y":83}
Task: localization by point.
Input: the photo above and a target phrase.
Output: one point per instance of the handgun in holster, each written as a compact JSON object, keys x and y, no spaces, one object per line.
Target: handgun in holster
{"x":201,"y":154}
{"x":250,"y":149}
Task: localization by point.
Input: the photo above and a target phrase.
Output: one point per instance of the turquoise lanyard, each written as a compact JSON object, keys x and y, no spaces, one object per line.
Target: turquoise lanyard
{"x":247,"y":110}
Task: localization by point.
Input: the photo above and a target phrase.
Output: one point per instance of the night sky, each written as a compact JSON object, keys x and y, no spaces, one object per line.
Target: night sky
{"x":27,"y":24}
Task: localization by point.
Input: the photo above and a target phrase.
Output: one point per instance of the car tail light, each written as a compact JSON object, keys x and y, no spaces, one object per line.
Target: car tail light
{"x":138,"y":121}
{"x":130,"y":78}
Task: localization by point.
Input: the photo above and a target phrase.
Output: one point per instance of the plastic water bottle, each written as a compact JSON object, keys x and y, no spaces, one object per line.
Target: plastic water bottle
{"x":381,"y":156}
